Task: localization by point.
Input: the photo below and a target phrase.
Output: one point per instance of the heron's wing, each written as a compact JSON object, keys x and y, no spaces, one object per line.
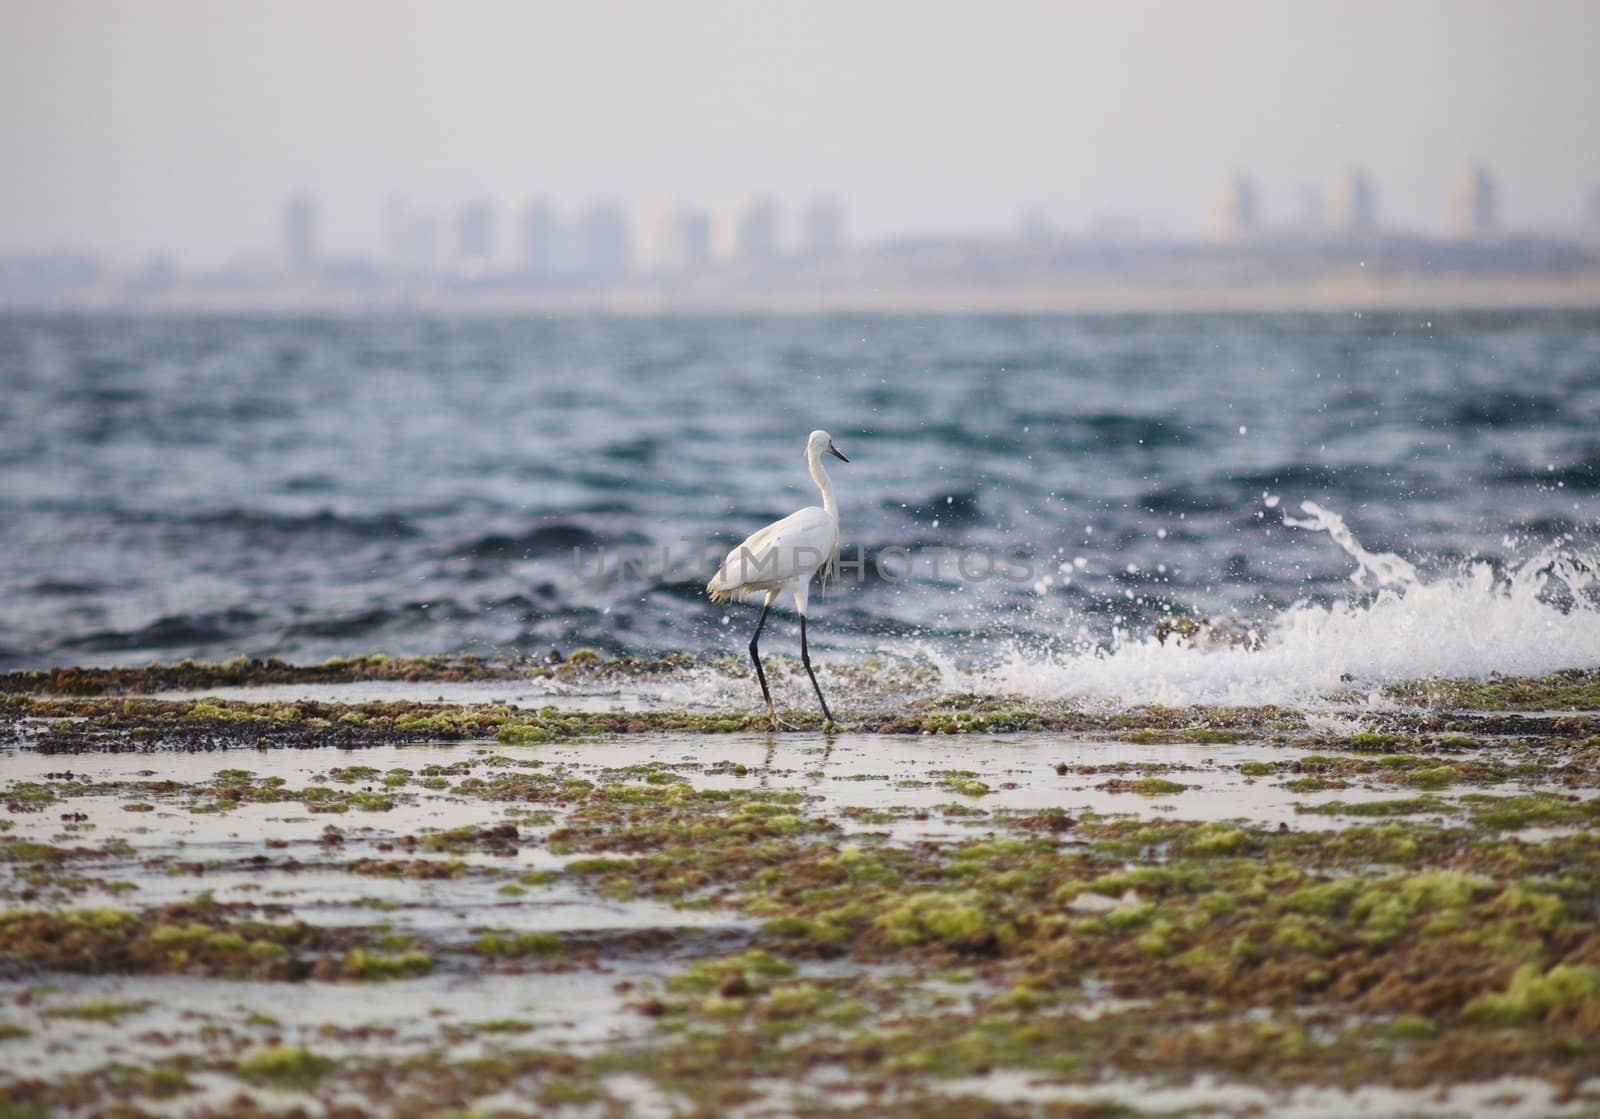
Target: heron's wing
{"x":793,"y":548}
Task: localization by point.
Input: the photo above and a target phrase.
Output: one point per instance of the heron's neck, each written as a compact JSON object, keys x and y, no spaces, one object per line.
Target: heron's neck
{"x":819,"y":475}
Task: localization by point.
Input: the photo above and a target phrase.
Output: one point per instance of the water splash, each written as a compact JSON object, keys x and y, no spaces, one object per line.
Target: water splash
{"x":1534,"y":618}
{"x":1388,"y":569}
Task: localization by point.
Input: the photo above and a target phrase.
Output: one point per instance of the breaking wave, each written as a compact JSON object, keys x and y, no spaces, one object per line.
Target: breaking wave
{"x":1536,"y":617}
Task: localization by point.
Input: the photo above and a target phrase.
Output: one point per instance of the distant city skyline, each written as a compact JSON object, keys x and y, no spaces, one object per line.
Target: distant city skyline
{"x":1469,"y":203}
{"x":605,"y":240}
{"x":179,"y":126}
{"x":605,"y":254}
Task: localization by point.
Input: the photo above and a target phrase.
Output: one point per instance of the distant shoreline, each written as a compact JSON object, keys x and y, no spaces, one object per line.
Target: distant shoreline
{"x":1343,"y":291}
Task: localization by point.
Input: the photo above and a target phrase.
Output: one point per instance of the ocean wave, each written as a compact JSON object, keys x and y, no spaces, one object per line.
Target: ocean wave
{"x":1580,"y":474}
{"x":261,"y":525}
{"x":364,"y":623}
{"x":1187,"y":497}
{"x":65,"y":588}
{"x":1098,"y":430}
{"x":545,"y":540}
{"x":1504,"y":409}
{"x":460,"y":461}
{"x":172,"y":631}
{"x":956,"y":507}
{"x":1536,"y":617}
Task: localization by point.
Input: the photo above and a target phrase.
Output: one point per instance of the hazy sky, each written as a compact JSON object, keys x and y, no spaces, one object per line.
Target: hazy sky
{"x":143,"y":125}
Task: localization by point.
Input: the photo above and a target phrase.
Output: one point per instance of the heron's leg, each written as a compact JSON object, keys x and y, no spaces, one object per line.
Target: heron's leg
{"x":755,"y":659}
{"x":805,"y":659}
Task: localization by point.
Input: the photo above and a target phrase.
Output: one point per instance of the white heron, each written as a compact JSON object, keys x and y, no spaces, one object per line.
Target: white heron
{"x":783,"y":557}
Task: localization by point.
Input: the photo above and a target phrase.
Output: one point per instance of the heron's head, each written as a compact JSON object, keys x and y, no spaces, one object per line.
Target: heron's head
{"x":821,"y":443}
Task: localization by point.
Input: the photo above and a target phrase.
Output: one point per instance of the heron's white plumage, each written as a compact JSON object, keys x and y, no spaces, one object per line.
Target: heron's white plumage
{"x":787,"y":554}
{"x":783,"y":556}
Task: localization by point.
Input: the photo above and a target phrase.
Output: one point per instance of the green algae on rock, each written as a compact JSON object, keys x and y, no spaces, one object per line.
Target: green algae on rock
{"x":197,"y":676}
{"x":1573,"y":689}
{"x":244,"y":671}
{"x":864,"y":936}
{"x":192,"y":939}
{"x":284,"y":1065}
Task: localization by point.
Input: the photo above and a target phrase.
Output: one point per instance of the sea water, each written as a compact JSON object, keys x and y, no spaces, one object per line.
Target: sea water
{"x":509,"y":485}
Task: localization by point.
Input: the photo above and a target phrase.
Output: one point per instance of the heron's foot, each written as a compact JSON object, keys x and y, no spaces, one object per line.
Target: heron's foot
{"x":829,"y":726}
{"x":773,"y":716}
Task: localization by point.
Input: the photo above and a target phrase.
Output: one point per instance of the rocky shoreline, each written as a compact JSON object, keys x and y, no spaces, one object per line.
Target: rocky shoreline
{"x":959,"y":904}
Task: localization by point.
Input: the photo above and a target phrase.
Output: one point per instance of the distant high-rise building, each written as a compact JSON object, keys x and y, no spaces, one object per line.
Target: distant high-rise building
{"x":725,"y":232}
{"x":475,"y":234}
{"x":1473,"y":208}
{"x":692,"y":239}
{"x":539,"y":232}
{"x":675,"y":239}
{"x":413,"y":240}
{"x":1355,"y":205}
{"x":654,"y":225}
{"x":1233,"y":212}
{"x":603,"y":242}
{"x":756,"y":233}
{"x":299,"y":235}
{"x":824,"y":227}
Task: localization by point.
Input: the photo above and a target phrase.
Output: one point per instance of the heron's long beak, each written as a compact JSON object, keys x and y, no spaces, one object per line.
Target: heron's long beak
{"x":834,"y":451}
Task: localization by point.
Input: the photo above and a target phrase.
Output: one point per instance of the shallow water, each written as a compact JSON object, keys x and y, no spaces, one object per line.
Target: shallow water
{"x":851,"y":776}
{"x":228,"y":485}
{"x":510,"y":694}
{"x":1506,"y":1098}
{"x":577,"y":1008}
{"x":946,"y":791}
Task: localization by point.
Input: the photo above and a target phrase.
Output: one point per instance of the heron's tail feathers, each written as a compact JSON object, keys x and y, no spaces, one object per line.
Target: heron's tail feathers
{"x":723,"y":587}
{"x":830,"y":570}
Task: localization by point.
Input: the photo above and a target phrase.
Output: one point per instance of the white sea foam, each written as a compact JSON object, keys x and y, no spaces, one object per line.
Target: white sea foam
{"x":1397,"y":624}
{"x":1538,"y":617}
